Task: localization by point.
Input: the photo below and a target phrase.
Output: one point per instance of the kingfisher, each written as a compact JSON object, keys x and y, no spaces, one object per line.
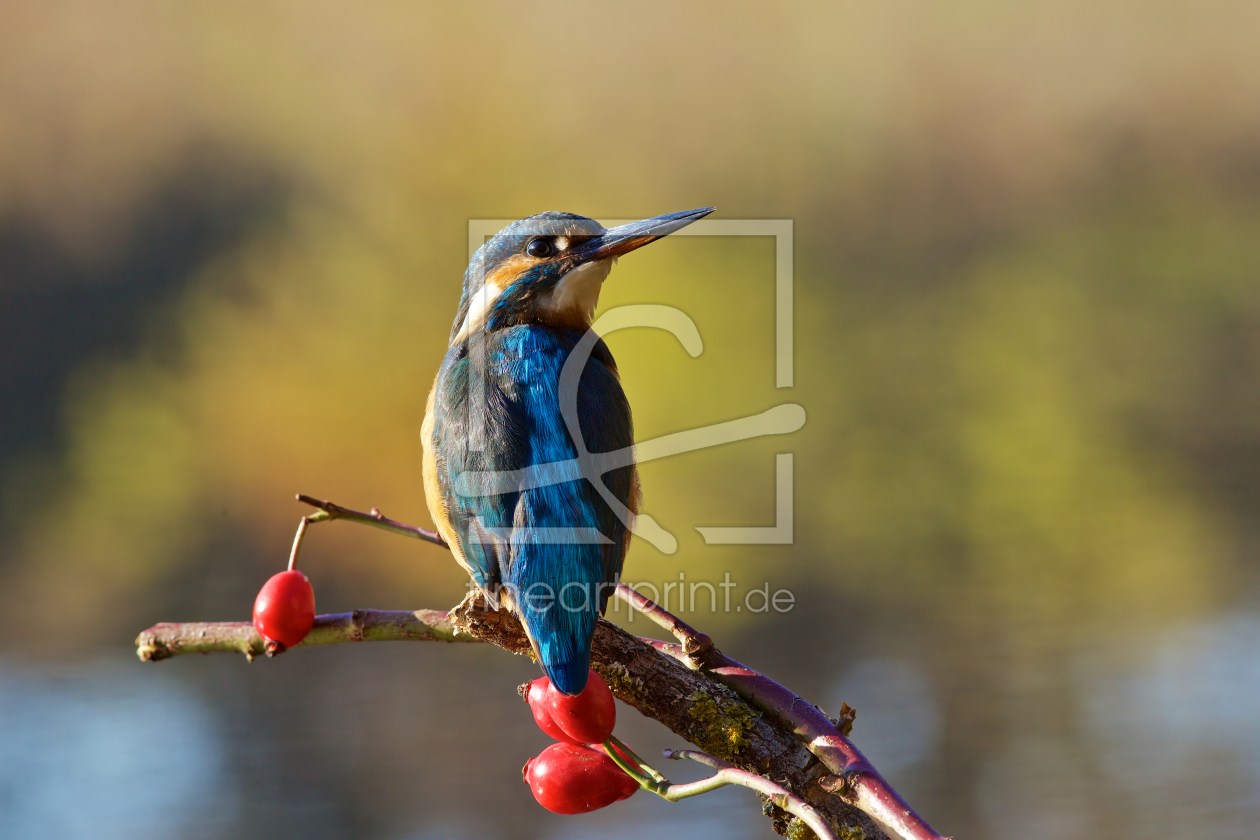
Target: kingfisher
{"x":551,"y":551}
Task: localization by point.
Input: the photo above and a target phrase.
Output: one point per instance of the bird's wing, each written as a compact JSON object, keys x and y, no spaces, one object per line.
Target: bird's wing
{"x":518,"y":537}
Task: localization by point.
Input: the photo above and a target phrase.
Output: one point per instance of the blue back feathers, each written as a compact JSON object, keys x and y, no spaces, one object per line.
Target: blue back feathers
{"x":559,"y":588}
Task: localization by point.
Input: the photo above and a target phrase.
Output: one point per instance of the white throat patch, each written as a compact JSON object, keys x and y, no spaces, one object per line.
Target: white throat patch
{"x":575,"y":297}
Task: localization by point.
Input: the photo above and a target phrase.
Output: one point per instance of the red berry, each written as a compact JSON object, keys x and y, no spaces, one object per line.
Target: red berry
{"x":588,"y":717}
{"x":571,"y":779}
{"x":285,"y":608}
{"x":536,"y":696}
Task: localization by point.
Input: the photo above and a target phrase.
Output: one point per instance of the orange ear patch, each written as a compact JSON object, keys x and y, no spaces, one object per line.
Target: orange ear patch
{"x":506,"y":272}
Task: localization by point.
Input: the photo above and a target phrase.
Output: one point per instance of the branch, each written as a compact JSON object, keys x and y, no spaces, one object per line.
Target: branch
{"x":856,"y":780}
{"x":728,"y":710}
{"x":162,"y":641}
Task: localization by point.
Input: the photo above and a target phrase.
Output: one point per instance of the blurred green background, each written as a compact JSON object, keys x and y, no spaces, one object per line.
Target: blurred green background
{"x":1027,"y":287}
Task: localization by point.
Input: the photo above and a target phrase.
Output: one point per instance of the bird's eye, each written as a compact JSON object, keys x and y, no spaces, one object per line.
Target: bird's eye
{"x":538,"y":248}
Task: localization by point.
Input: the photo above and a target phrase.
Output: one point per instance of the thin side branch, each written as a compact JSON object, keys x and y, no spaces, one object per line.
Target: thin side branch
{"x":694,"y":643}
{"x":331,"y":510}
{"x":729,"y":774}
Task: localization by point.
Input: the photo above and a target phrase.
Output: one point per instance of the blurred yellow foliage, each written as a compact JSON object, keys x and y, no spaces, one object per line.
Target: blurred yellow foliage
{"x":990,"y":313}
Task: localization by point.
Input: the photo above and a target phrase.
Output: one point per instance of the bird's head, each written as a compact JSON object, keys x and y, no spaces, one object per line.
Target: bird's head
{"x":549,"y":269}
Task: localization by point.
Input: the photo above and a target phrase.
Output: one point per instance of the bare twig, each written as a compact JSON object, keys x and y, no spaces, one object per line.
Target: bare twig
{"x":728,"y":774}
{"x":694,"y":643}
{"x":331,"y":510}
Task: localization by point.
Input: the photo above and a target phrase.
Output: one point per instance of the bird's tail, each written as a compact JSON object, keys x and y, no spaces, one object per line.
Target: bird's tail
{"x":560,"y":630}
{"x":569,"y":675}
{"x":563,"y":644}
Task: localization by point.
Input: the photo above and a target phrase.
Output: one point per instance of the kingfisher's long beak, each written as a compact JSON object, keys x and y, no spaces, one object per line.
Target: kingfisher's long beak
{"x":623,"y":239}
